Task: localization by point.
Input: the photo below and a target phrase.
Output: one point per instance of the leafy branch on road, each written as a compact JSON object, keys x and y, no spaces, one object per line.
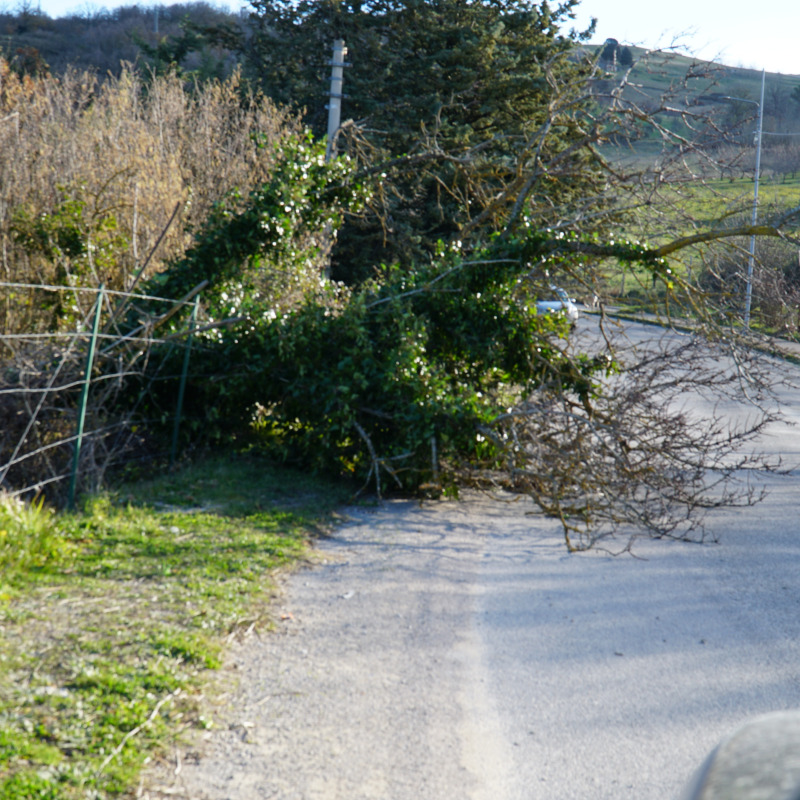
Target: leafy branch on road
{"x":483,"y":166}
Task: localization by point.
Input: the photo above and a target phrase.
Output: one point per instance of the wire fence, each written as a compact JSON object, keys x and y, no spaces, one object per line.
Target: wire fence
{"x":75,"y":403}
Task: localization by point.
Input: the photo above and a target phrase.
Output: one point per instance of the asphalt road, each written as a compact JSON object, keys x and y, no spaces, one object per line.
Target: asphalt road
{"x":456,"y":650}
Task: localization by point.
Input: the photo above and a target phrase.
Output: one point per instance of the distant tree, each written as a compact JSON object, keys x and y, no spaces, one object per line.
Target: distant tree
{"x":169,"y":53}
{"x":625,"y":57}
{"x":30,"y":18}
{"x":776,"y":104}
{"x":609,"y":52}
{"x":785,"y":158}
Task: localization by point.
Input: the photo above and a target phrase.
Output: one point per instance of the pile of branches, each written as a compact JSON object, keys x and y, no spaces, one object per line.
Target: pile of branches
{"x":669,"y":436}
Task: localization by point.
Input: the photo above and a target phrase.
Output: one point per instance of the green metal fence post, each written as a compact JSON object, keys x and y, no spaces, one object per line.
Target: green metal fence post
{"x":182,"y":387}
{"x":76,"y":452}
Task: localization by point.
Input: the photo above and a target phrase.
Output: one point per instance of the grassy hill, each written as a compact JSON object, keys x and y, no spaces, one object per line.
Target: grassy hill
{"x":680,"y":89}
{"x":656,"y":72}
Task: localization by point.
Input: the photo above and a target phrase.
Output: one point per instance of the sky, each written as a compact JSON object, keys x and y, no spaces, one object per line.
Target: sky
{"x":734,"y":32}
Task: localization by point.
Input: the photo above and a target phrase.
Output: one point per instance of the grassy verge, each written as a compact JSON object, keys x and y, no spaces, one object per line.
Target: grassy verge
{"x":110,"y":619}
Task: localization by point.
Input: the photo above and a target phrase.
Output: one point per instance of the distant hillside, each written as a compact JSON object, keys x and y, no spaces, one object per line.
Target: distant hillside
{"x":683,"y":92}
{"x":102,"y":40}
{"x":665,"y":69}
{"x":161,"y":36}
{"x":693,"y":82}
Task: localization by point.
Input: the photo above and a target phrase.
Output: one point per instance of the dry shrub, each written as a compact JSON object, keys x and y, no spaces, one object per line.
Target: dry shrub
{"x":775,"y":281}
{"x":91,"y":172}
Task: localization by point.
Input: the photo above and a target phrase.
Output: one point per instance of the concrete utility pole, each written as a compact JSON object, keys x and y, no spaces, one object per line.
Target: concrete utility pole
{"x":334,"y":122}
{"x":752,"y":256}
{"x":335,"y":105}
{"x":754,"y":216}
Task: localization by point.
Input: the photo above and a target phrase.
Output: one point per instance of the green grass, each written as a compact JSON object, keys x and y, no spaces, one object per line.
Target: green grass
{"x":710,"y":205}
{"x":112,"y":619}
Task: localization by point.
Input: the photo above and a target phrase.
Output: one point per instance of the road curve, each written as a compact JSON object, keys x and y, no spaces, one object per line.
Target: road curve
{"x":456,"y":650}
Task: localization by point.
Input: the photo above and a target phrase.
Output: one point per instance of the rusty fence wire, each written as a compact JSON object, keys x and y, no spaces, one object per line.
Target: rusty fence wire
{"x":74,"y":400}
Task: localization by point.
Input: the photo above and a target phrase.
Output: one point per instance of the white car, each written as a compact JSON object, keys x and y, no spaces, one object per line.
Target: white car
{"x":560,"y":304}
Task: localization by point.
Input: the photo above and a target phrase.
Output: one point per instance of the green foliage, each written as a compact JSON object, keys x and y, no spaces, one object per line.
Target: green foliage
{"x":420,"y":357}
{"x":81,"y":242}
{"x":167,"y":53}
{"x":261,"y":256}
{"x":374,"y":379}
{"x":30,"y":539}
{"x":187,"y":54}
{"x":273,"y":239}
{"x":423,"y":359}
{"x":453,"y":100}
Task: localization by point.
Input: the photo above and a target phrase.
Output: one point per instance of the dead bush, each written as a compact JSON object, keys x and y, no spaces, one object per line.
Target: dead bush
{"x":91,"y":173}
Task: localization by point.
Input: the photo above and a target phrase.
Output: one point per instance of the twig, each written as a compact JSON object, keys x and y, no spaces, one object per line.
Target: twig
{"x":49,"y":287}
{"x":152,"y":323}
{"x":137,"y":277}
{"x":130,"y":734}
{"x":375,"y":463}
{"x":35,"y":414}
